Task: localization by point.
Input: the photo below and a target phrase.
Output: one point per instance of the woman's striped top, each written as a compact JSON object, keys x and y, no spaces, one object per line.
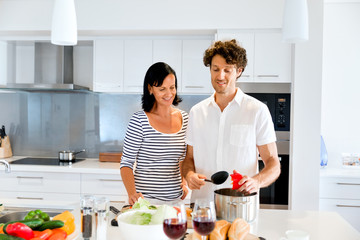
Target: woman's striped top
{"x":154,"y":157}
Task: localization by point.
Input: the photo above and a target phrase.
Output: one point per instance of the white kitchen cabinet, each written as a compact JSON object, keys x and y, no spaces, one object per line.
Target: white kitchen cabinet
{"x":170,"y":52}
{"x":137,"y":60}
{"x":108,"y":65}
{"x":269,"y":59}
{"x":343,"y":196}
{"x":195,"y":76}
{"x":105,"y":185}
{"x":40,"y":186}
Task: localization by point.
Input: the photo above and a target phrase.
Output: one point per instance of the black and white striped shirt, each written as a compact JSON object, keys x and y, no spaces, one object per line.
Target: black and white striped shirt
{"x":155,"y":156}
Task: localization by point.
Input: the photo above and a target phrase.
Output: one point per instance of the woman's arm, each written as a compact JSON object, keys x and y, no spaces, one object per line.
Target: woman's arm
{"x":127,"y":176}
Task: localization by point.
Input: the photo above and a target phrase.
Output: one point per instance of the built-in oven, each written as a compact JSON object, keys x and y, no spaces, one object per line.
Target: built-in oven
{"x":277,"y":194}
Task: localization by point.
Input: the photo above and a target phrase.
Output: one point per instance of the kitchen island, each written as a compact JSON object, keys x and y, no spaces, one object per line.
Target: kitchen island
{"x":271,"y":224}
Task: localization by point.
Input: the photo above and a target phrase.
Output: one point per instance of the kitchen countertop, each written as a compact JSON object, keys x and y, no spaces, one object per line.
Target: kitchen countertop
{"x":89,"y":165}
{"x":344,"y":172}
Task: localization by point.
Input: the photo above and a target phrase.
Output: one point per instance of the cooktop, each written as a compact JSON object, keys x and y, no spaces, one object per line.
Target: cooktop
{"x":45,"y":161}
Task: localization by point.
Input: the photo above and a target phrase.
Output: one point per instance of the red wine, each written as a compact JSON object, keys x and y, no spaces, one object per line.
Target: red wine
{"x":203,"y":225}
{"x":174,"y":229}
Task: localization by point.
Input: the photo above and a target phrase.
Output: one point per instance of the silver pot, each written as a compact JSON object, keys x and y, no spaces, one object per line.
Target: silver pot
{"x":68,"y":155}
{"x":231,"y":204}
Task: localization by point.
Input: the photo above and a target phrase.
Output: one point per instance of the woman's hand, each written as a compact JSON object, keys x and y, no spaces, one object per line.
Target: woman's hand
{"x":185,"y":189}
{"x":195,"y":180}
{"x":134,"y":197}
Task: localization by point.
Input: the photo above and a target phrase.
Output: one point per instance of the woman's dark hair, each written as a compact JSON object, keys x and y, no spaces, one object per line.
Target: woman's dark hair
{"x":230,"y":50}
{"x":155,"y":76}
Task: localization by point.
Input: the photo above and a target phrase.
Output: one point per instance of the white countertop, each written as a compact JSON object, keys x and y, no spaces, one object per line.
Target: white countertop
{"x":344,"y":172}
{"x":89,"y":165}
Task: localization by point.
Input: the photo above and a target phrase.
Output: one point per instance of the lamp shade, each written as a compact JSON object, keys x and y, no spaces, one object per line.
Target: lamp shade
{"x":295,"y":21}
{"x":64,"y":24}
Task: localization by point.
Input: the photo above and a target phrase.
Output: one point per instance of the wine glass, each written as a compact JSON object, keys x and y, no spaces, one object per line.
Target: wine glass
{"x":175,"y":228}
{"x":204,"y":217}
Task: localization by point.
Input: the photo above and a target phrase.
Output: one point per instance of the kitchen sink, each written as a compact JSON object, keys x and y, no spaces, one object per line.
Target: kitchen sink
{"x":17,"y":214}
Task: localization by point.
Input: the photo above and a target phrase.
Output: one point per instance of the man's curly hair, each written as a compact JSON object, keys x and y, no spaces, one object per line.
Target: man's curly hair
{"x":230,"y":50}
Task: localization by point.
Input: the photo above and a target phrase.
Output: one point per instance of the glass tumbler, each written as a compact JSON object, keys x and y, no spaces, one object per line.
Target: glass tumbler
{"x":101,"y":217}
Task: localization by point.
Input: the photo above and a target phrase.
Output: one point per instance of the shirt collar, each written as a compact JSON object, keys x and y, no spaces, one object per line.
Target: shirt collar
{"x":237,"y":99}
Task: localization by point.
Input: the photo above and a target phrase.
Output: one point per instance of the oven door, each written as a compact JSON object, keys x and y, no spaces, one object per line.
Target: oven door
{"x":276,"y":195}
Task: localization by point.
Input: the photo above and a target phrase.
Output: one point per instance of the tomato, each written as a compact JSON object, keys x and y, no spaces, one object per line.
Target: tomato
{"x":59,"y":231}
{"x":43,"y":234}
{"x":57,"y":236}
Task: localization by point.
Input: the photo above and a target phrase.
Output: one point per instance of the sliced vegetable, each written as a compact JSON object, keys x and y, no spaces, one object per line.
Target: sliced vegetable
{"x":1,"y":228}
{"x":235,"y":178}
{"x":59,"y":231}
{"x":19,"y":230}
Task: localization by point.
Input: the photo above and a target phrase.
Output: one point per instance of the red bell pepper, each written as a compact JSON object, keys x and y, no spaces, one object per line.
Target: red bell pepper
{"x":20,"y":230}
{"x":235,"y":178}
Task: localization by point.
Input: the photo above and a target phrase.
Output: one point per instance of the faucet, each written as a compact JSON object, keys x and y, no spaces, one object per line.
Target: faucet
{"x":7,"y":166}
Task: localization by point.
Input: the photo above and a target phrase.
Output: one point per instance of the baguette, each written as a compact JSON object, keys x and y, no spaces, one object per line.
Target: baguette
{"x":238,"y":229}
{"x":220,"y":231}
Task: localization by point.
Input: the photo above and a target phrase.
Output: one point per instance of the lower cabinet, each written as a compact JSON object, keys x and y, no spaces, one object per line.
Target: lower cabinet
{"x":40,"y":186}
{"x":105,"y":185}
{"x":341,"y":195}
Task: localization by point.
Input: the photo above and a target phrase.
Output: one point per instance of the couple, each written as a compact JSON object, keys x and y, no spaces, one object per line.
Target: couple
{"x":165,"y":150}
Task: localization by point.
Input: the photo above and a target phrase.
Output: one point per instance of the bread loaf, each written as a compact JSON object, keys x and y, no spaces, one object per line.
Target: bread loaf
{"x":238,"y":229}
{"x":220,"y":231}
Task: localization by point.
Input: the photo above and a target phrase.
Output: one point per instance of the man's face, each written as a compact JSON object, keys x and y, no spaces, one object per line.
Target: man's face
{"x":223,"y":75}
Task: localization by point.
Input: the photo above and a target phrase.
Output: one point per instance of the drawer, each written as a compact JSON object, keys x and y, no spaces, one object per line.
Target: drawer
{"x":102,"y":184}
{"x":114,"y":198}
{"x":340,"y":188}
{"x":40,"y":182}
{"x":39,"y":197}
{"x":348,"y":209}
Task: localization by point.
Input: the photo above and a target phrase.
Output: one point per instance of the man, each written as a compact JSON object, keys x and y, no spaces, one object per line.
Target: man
{"x":229,"y":129}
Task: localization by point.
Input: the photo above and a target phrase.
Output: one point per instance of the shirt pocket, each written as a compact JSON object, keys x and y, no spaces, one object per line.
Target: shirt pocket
{"x":242,"y":135}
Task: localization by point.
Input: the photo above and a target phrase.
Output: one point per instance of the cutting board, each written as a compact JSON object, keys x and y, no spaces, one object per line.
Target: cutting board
{"x":110,"y":157}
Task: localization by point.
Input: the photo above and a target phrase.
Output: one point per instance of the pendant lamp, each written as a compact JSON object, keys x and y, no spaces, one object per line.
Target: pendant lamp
{"x":64,"y":24}
{"x":295,"y":21}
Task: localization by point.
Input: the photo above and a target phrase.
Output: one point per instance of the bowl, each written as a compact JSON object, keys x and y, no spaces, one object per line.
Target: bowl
{"x":135,"y":232}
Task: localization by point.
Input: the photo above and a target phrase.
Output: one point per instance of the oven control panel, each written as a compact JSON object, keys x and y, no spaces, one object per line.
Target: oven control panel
{"x":279,"y":107}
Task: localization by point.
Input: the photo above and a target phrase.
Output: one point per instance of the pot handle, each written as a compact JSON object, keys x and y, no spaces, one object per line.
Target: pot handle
{"x":79,"y":151}
{"x":236,"y":203}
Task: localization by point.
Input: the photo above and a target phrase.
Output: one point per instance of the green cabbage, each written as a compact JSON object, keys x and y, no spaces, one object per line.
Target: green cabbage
{"x":139,"y":218}
{"x":163,"y":212}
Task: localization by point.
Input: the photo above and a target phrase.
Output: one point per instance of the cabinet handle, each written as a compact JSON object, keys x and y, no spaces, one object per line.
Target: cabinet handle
{"x":194,"y":86}
{"x":245,"y":76}
{"x":350,"y":184}
{"x":117,"y":201}
{"x":29,"y":198}
{"x":30,"y":177}
{"x":110,"y":180}
{"x":274,"y":76}
{"x":350,"y":206}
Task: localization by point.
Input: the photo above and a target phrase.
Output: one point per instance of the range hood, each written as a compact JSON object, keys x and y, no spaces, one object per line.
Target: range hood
{"x":53,"y":70}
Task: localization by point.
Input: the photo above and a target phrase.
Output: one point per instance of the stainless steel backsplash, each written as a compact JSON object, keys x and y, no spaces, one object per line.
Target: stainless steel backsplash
{"x":43,"y":123}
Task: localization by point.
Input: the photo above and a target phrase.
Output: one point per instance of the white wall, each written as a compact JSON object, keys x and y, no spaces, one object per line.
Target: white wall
{"x":341,"y":80}
{"x":199,"y":16}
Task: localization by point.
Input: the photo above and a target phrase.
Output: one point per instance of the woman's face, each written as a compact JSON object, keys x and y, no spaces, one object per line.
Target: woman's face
{"x":164,"y":94}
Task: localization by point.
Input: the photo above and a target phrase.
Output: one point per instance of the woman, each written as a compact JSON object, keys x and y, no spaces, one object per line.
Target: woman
{"x":154,"y":143}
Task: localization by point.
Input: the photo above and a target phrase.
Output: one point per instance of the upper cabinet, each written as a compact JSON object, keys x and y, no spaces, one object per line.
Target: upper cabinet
{"x":120,"y":65}
{"x":269,"y":59}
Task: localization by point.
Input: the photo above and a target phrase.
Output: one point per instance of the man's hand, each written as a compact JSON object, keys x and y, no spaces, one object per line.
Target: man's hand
{"x":134,"y":197}
{"x":195,"y":180}
{"x":248,"y":184}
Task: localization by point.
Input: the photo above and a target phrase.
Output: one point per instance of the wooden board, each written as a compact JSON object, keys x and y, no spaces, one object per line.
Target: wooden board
{"x":248,"y":237}
{"x":110,"y":157}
